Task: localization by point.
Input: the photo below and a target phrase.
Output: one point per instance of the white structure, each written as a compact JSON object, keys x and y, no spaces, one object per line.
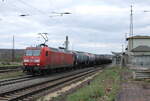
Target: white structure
{"x":66,"y":43}
{"x":138,"y":51}
{"x":136,"y":41}
{"x":116,"y":59}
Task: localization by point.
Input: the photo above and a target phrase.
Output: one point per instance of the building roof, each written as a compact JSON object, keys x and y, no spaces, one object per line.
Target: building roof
{"x":116,"y":53}
{"x":141,"y":49}
{"x":138,"y":37}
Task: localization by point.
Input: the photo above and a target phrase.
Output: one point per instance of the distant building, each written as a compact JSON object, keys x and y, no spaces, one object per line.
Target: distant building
{"x":116,"y":59}
{"x":138,"y":50}
{"x":136,"y":41}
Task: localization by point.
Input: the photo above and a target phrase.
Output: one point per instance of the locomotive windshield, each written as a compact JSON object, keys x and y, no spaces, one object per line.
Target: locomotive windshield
{"x":32,"y":52}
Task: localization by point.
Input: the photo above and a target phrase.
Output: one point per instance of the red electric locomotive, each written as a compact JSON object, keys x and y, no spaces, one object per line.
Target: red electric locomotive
{"x":43,"y":58}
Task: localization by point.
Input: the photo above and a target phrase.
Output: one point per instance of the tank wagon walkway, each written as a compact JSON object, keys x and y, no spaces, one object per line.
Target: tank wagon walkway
{"x":132,"y":90}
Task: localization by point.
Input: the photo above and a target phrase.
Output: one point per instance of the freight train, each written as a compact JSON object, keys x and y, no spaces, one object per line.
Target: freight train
{"x":42,"y":58}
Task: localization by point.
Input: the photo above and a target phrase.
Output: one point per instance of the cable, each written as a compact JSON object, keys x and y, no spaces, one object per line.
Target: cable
{"x":17,"y":9}
{"x":30,"y":6}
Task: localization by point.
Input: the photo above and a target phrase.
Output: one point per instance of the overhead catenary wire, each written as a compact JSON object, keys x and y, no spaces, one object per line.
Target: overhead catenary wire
{"x":26,"y":11}
{"x":41,"y":11}
{"x":31,"y":9}
{"x":17,"y":8}
{"x":30,"y":6}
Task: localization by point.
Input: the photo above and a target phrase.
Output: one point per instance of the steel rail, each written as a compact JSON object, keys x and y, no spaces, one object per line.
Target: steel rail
{"x":22,"y":78}
{"x":56,"y":88}
{"x":16,"y":80}
{"x":9,"y":67}
{"x":21,"y":93}
{"x":10,"y":70}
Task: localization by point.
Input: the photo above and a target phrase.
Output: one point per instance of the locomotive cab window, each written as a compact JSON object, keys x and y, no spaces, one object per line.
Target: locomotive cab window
{"x":32,"y":52}
{"x":46,"y":53}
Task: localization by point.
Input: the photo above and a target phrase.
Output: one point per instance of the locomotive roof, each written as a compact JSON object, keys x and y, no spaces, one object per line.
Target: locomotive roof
{"x":60,"y":50}
{"x":33,"y":48}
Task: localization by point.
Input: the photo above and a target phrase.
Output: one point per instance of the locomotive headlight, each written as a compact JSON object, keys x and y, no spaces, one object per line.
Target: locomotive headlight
{"x":25,"y":64}
{"x":25,"y":60}
{"x":37,"y":60}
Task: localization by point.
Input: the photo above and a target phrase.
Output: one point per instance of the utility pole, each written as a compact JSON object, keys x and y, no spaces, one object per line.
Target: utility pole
{"x":131,"y":26}
{"x":13,"y":49}
{"x":131,"y":21}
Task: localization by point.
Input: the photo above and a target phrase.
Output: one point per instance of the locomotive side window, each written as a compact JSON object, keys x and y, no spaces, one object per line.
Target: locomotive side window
{"x":32,"y":52}
{"x":46,"y":53}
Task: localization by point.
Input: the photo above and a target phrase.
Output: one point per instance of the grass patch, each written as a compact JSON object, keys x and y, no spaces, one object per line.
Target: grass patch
{"x":10,"y":64}
{"x":11,"y":75}
{"x":147,"y":80}
{"x":104,"y":87}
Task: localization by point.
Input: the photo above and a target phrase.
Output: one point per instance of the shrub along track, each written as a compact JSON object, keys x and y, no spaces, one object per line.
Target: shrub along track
{"x":30,"y":91}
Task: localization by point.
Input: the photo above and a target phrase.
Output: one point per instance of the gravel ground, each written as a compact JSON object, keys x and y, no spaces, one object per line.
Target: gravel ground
{"x":31,"y":82}
{"x":133,"y":90}
{"x":22,"y":84}
{"x":62,"y":92}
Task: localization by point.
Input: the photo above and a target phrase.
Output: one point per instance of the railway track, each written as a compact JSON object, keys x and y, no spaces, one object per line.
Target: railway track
{"x":10,"y":69}
{"x":29,"y":92}
{"x":16,"y":80}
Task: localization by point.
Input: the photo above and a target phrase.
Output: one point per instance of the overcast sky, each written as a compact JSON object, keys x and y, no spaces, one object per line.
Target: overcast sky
{"x":96,"y":26}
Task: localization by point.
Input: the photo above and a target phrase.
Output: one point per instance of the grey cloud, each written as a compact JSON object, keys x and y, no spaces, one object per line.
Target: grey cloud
{"x":101,"y":28}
